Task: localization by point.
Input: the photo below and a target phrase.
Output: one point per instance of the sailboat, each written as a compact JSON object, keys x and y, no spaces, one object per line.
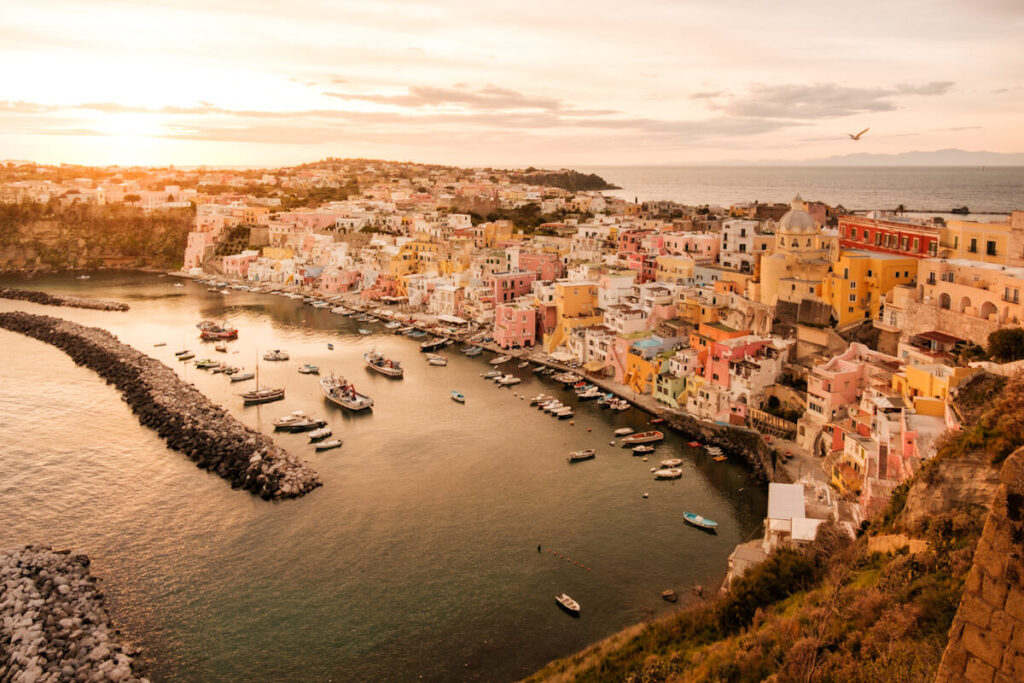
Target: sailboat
{"x":261,"y":394}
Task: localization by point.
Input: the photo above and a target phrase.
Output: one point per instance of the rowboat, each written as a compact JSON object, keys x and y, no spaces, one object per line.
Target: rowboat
{"x":672,"y":462}
{"x":435,"y":344}
{"x":694,"y":444}
{"x":699,"y":521}
{"x":221,"y":346}
{"x":318,"y":434}
{"x":458,"y":397}
{"x":578,"y":456}
{"x":500,"y":359}
{"x":623,"y":431}
{"x":276,"y":355}
{"x":241,"y":376}
{"x":309,"y":369}
{"x":642,"y":437}
{"x":643,"y":450}
{"x":186,"y":356}
{"x":364,"y":331}
{"x":434,"y":359}
{"x":328,"y":445}
{"x":568,"y":604}
{"x":668,"y":473}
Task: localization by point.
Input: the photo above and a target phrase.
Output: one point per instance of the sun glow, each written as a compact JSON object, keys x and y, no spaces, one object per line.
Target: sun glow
{"x":129,"y":125}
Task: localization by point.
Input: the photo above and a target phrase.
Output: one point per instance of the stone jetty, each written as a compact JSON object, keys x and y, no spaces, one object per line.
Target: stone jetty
{"x":53,"y":622}
{"x":54,"y":300}
{"x":186,"y":419}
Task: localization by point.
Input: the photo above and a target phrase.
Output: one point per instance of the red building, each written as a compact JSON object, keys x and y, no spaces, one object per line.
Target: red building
{"x":889,"y":236}
{"x":510,"y":286}
{"x":547,"y":265}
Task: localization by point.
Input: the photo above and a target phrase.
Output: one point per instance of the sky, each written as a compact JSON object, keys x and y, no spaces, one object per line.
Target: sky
{"x":470,"y":82}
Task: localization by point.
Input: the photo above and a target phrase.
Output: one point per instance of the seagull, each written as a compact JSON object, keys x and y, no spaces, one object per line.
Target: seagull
{"x":857,"y":136}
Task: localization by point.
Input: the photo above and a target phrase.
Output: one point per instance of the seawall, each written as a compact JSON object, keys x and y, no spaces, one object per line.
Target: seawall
{"x":53,"y":622}
{"x":185,"y":418}
{"x":55,"y":300}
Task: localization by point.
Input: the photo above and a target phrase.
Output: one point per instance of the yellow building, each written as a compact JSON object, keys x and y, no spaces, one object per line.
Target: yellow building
{"x":676,"y":269}
{"x":860,"y":279}
{"x":996,"y":243}
{"x":413,"y":257}
{"x":278,"y":253}
{"x":932,"y":381}
{"x":575,"y":306}
{"x":800,"y":264}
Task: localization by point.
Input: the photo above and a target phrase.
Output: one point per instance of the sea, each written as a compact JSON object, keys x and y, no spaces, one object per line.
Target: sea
{"x":989,"y":192}
{"x":418,"y":557}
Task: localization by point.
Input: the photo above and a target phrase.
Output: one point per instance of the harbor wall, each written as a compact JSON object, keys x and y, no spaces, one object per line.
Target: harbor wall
{"x":185,"y":418}
{"x":45,"y":299}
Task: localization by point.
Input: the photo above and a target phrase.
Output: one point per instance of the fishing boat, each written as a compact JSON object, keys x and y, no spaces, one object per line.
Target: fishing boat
{"x":330,"y":346}
{"x":305,"y":424}
{"x":222,"y":367}
{"x":435,"y":344}
{"x":657,"y":420}
{"x":473,"y":350}
{"x":339,"y":391}
{"x":188,"y":355}
{"x":393,"y":325}
{"x":694,"y":444}
{"x":210,"y":329}
{"x":568,"y":604}
{"x":579,"y":456}
{"x":642,"y":437}
{"x":241,"y":376}
{"x":221,"y":346}
{"x":643,"y":450}
{"x":563,"y":413}
{"x":364,"y":331}
{"x":437,"y":360}
{"x":318,"y":434}
{"x":276,"y":355}
{"x":264,"y":395}
{"x":668,"y":473}
{"x":672,"y":462}
{"x":699,"y":521}
{"x":539,"y":398}
{"x":509,"y":380}
{"x":458,"y":396}
{"x":309,"y":369}
{"x":623,"y":431}
{"x":500,"y":359}
{"x":385,"y":366}
{"x":328,"y":445}
{"x":525,"y":364}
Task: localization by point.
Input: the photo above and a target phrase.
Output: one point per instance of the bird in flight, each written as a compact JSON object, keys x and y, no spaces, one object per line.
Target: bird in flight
{"x":857,"y":136}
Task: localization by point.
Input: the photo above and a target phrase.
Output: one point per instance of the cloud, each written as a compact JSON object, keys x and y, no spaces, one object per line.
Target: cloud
{"x":20,"y":107}
{"x":488,"y":97}
{"x":706,"y":95}
{"x":822,"y":100}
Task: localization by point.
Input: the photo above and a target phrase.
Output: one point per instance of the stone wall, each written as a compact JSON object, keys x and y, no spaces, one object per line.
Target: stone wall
{"x":921,"y":317}
{"x":986,"y":641}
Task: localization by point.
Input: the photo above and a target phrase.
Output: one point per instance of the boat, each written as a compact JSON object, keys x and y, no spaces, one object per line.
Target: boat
{"x":568,"y":604}
{"x":699,"y":521}
{"x":418,"y":334}
{"x":694,"y":444}
{"x":318,"y":434}
{"x":623,"y":431}
{"x":592,"y":392}
{"x":657,"y":420}
{"x":181,"y":353}
{"x":437,"y":360}
{"x":221,"y":346}
{"x":221,"y":367}
{"x":579,"y":456}
{"x":393,"y":325}
{"x":621,"y":405}
{"x":241,"y":376}
{"x":309,"y":369}
{"x":473,"y":350}
{"x":669,"y":595}
{"x":305,"y":424}
{"x":500,"y":359}
{"x":330,"y":346}
{"x":492,"y":374}
{"x":642,"y":437}
{"x":276,"y":355}
{"x":264,"y":395}
{"x":539,"y":370}
{"x":339,"y":391}
{"x":458,"y":396}
{"x":435,"y":344}
{"x":186,"y":356}
{"x":641,"y":450}
{"x":281,"y":423}
{"x":178,"y":284}
{"x":376,"y":361}
{"x":563,"y":413}
{"x":328,"y":445}
{"x":539,"y":398}
{"x":210,"y":329}
{"x":719,"y":458}
{"x":206,"y":364}
{"x":672,"y":462}
{"x":525,"y":364}
{"x":159,"y":344}
{"x":509,"y":380}
{"x":668,"y":473}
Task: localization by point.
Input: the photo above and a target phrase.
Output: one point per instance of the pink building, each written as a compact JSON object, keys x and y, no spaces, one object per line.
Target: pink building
{"x":547,"y":265}
{"x":198,"y":247}
{"x":515,"y":325}
{"x":510,"y":286}
{"x":334,"y":281}
{"x":703,"y":247}
{"x":237,"y":265}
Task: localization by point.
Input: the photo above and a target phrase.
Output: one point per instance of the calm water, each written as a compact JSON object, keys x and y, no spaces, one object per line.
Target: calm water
{"x":934,"y":189}
{"x":417,"y":558}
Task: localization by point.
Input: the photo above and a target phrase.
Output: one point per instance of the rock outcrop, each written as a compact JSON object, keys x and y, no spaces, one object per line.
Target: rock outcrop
{"x":53,"y":622}
{"x":186,"y":419}
{"x":54,"y":300}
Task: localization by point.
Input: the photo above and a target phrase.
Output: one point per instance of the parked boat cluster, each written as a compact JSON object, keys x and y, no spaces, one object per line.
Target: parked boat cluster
{"x":54,"y":625}
{"x":185,"y":418}
{"x":54,"y":300}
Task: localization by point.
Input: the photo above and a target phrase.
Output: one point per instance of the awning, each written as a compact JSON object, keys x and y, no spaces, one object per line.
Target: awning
{"x":593,"y":366}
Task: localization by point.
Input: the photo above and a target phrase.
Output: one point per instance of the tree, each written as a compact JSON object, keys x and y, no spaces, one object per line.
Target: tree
{"x":1006,"y":345}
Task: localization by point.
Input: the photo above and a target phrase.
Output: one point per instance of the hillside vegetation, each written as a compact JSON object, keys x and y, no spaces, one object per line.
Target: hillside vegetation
{"x":841,"y":609}
{"x":40,"y":237}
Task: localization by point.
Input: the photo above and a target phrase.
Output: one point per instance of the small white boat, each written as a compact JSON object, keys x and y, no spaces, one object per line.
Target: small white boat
{"x":540,"y":398}
{"x":188,"y":355}
{"x":672,"y":462}
{"x":437,"y":360}
{"x":579,"y":456}
{"x":643,"y":450}
{"x":623,"y":431}
{"x":500,"y":359}
{"x":221,"y":346}
{"x":276,"y":355}
{"x":563,"y":413}
{"x":668,"y":473}
{"x":309,"y":369}
{"x":241,"y":376}
{"x":642,"y":437}
{"x":700,"y":521}
{"x":291,"y":418}
{"x":328,"y":445}
{"x":525,"y":364}
{"x":458,"y":396}
{"x":509,"y":380}
{"x":364,"y":331}
{"x":394,"y":325}
{"x":492,"y":374}
{"x":568,"y":604}
{"x":318,"y":434}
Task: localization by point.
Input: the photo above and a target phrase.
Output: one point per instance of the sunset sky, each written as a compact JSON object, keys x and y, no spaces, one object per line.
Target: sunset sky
{"x":264,"y":82}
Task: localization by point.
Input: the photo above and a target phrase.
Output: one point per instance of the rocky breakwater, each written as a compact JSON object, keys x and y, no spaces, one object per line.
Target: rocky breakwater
{"x":53,"y":623}
{"x":741,"y":441}
{"x":186,"y":419}
{"x":54,"y":300}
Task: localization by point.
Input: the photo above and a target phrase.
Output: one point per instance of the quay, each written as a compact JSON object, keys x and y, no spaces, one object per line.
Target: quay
{"x":185,"y":418}
{"x":46,"y":299}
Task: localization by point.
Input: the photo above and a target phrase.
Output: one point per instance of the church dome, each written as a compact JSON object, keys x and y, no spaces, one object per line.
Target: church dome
{"x":796,"y":219}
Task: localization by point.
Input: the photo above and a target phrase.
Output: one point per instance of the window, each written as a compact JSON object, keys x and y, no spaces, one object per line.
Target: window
{"x":853,"y":285}
{"x":933,"y":248}
{"x":917,"y":244}
{"x":853,"y":298}
{"x":990,"y":248}
{"x":886,"y":241}
{"x":974,"y":246}
{"x":866,"y":238}
{"x":906,"y":273}
{"x":903,"y":242}
{"x":878,"y":238}
{"x":956,"y":241}
{"x":846,"y":273}
{"x":850,"y":309}
{"x":869,"y":272}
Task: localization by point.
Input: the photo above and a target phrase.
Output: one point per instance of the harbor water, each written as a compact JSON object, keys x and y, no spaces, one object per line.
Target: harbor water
{"x":417,"y":559}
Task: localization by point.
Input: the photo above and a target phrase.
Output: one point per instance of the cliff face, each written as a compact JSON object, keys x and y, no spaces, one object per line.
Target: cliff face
{"x":40,"y":238}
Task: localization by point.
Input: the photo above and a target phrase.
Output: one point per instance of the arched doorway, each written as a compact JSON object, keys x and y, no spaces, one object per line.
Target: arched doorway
{"x":988,"y":309}
{"x":965,"y":303}
{"x":944,"y":301}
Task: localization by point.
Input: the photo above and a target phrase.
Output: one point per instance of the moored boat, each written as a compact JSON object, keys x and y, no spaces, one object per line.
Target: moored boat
{"x":500,"y":359}
{"x":276,"y":355}
{"x":318,"y":434}
{"x":668,"y":473}
{"x":437,"y":360}
{"x":328,"y":445}
{"x":509,"y":380}
{"x":458,"y":396}
{"x":188,"y":355}
{"x":364,"y":331}
{"x":623,"y":431}
{"x":281,"y":423}
{"x":207,"y":363}
{"x":568,"y":604}
{"x":435,"y":344}
{"x":241,"y":376}
{"x":309,"y":369}
{"x":643,"y":450}
{"x":262,"y":395}
{"x":473,"y":350}
{"x":578,"y":456}
{"x":210,"y":329}
{"x":671,"y":462}
{"x":642,"y":437}
{"x":700,"y":521}
{"x":385,"y":366}
{"x":339,"y":391}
